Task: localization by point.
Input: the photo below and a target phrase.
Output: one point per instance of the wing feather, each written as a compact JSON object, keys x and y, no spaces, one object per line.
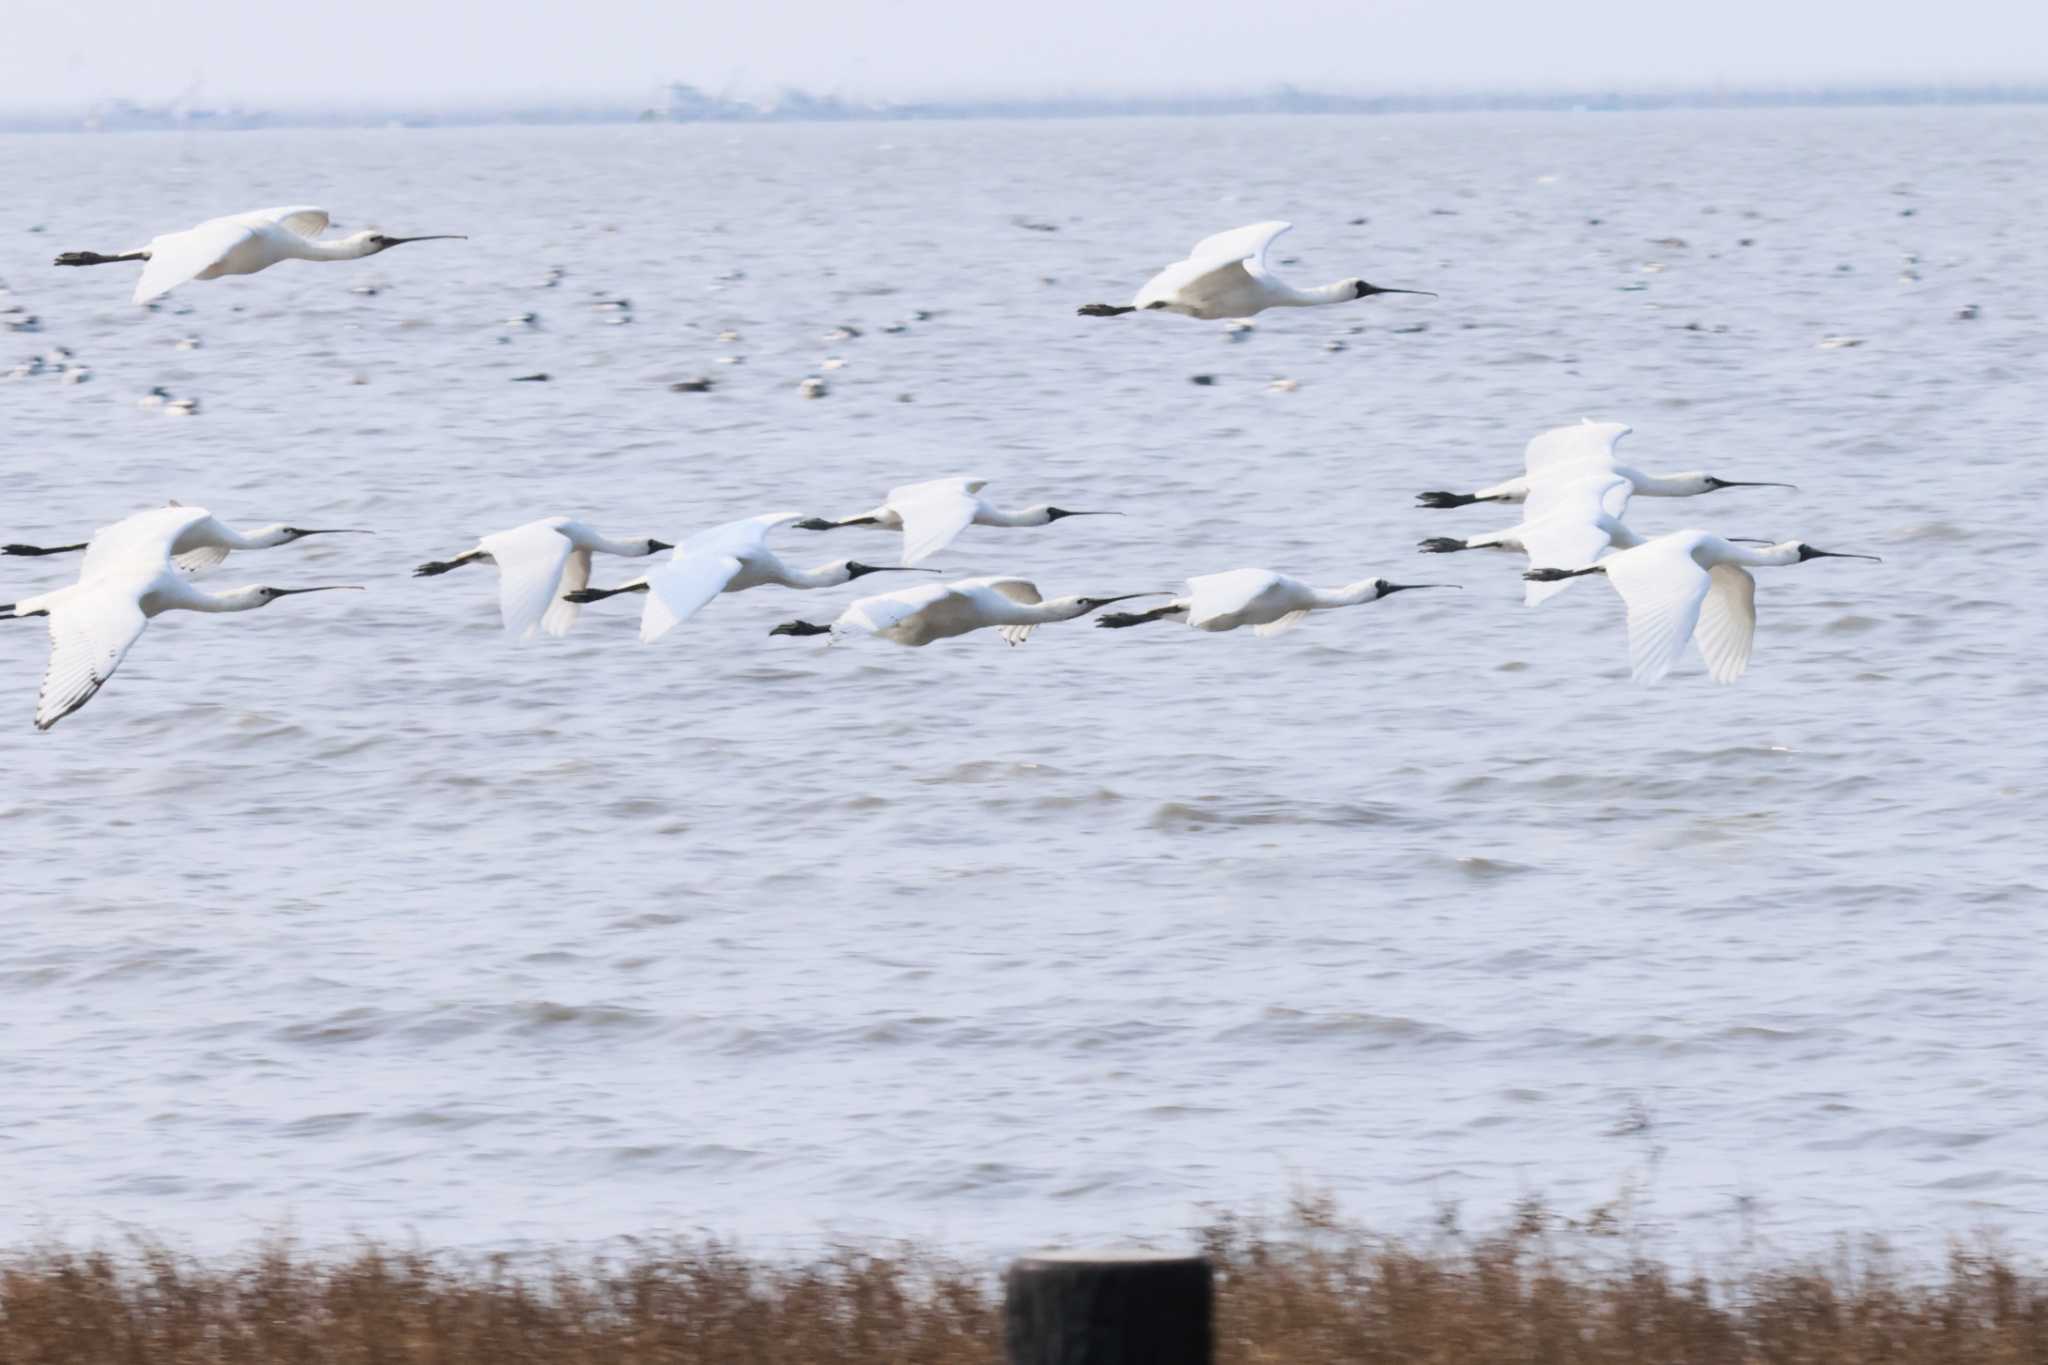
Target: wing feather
{"x":679,"y":589}
{"x":90,"y":633}
{"x":1246,"y":244}
{"x":1584,"y":442}
{"x":303,"y":219}
{"x":933,"y":519}
{"x":1727,"y":625}
{"x":1663,"y":588}
{"x":180,"y":256}
{"x":530,"y":562}
{"x":561,"y":613}
{"x":1282,"y":625}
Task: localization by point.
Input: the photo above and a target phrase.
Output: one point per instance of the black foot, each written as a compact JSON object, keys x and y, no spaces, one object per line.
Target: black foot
{"x":1102,"y":310}
{"x":1557,"y":575}
{"x":1441,"y":545}
{"x":91,"y":258}
{"x":582,"y":595}
{"x":38,"y":549}
{"x":1445,"y":499}
{"x":815,"y":524}
{"x":800,"y":628}
{"x":434,"y":567}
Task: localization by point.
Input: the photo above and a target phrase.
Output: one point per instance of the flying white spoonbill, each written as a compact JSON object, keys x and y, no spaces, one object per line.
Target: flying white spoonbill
{"x":128,"y":577}
{"x":728,"y":558}
{"x":201,"y":540}
{"x":1226,"y":276}
{"x":939,"y":611}
{"x":1270,"y":603}
{"x":242,"y":244}
{"x":537,"y":564}
{"x":1690,"y":585}
{"x":1564,"y":526}
{"x":931,"y":515}
{"x":1567,"y":454}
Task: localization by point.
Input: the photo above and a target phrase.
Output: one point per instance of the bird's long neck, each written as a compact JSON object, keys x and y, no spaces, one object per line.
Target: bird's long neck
{"x":1350,"y":595}
{"x":1024,"y":516}
{"x":631,"y":549}
{"x":1343,"y":291}
{"x":823,"y":576}
{"x":339,"y":249}
{"x":262,"y":538}
{"x":1755,"y":556}
{"x":1665,"y":485}
{"x":182,"y":596}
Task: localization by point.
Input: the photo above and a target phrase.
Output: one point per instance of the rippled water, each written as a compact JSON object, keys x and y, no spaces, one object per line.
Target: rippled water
{"x":351,"y":914}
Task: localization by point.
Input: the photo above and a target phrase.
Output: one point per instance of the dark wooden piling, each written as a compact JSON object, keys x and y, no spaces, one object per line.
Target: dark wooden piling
{"x":1108,"y":1308}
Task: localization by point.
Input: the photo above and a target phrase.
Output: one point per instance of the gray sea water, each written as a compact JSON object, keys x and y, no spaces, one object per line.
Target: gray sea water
{"x":352,"y":916}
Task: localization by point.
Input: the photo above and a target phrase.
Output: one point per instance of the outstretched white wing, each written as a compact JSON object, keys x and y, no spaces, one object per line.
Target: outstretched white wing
{"x":679,"y":588}
{"x":90,"y":632}
{"x":1584,"y":442}
{"x":180,"y":256}
{"x":303,"y":219}
{"x":1727,"y":625}
{"x":1567,"y":526}
{"x":884,"y":610}
{"x":1663,"y":588}
{"x":1218,"y":265}
{"x":561,"y":614}
{"x":141,"y":541}
{"x":1217,"y":595}
{"x":530,"y":561}
{"x":934,"y":514}
{"x":1019,"y":590}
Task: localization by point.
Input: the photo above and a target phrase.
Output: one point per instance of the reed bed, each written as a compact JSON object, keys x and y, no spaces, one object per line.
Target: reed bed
{"x":1304,"y":1289}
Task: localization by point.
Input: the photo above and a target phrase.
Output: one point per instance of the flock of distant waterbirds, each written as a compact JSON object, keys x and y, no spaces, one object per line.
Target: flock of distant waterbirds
{"x":1688,"y":586}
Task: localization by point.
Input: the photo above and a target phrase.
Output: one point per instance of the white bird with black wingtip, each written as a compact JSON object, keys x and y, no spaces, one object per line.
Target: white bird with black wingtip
{"x":242,"y":244}
{"x":728,"y":558}
{"x":1691,"y":586}
{"x":128,"y":578}
{"x":1228,"y":276}
{"x":1270,"y":603}
{"x":538,"y":565}
{"x":1013,"y":607}
{"x":931,"y":515}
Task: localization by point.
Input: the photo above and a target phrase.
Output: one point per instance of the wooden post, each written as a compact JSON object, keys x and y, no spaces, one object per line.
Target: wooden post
{"x":1108,"y":1308}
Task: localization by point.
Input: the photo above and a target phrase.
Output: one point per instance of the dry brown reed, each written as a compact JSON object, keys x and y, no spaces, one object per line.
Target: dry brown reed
{"x":1308,"y":1289}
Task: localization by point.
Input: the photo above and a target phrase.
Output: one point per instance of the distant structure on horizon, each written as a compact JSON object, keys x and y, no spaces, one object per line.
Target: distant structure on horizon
{"x":685,"y":103}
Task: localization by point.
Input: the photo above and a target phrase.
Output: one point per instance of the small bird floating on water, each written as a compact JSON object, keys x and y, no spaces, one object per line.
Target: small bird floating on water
{"x":1270,"y":603}
{"x":1226,"y":276}
{"x":242,"y":244}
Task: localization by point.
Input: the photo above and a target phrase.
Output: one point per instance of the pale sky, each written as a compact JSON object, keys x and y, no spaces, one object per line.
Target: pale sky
{"x":76,"y":51}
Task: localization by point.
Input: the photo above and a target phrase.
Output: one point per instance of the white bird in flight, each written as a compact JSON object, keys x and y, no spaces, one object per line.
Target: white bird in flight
{"x":203,"y":540}
{"x":1226,"y":276}
{"x":931,"y":515}
{"x":728,"y":558}
{"x":242,"y":244}
{"x":939,"y":611}
{"x":1690,"y":585}
{"x":1566,"y":454}
{"x":1565,"y":526}
{"x":128,"y":577}
{"x":1270,"y":603}
{"x":538,"y":564}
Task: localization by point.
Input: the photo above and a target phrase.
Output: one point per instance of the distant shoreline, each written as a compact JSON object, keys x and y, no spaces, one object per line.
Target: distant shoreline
{"x":687,"y":104}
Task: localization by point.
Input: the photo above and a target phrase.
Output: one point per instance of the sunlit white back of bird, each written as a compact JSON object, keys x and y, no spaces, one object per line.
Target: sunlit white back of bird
{"x":939,"y":611}
{"x":1270,"y":603}
{"x":1584,"y":450}
{"x":932,"y":514}
{"x":1228,"y":275}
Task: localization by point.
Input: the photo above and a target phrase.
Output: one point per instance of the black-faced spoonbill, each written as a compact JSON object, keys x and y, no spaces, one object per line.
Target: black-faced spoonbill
{"x":939,"y":611}
{"x":1270,"y":603}
{"x":1566,"y":454}
{"x":242,"y":244}
{"x":931,"y":515}
{"x":1565,"y":526}
{"x":1226,"y":276}
{"x":728,"y":558}
{"x":538,"y":564}
{"x":1690,"y":585}
{"x":128,"y":578}
{"x":200,"y":540}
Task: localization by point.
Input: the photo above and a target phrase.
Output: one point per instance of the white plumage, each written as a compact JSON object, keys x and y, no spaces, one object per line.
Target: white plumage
{"x":1270,"y":603}
{"x":931,"y":515}
{"x":1227,"y":276}
{"x":939,"y":611}
{"x":538,"y":564}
